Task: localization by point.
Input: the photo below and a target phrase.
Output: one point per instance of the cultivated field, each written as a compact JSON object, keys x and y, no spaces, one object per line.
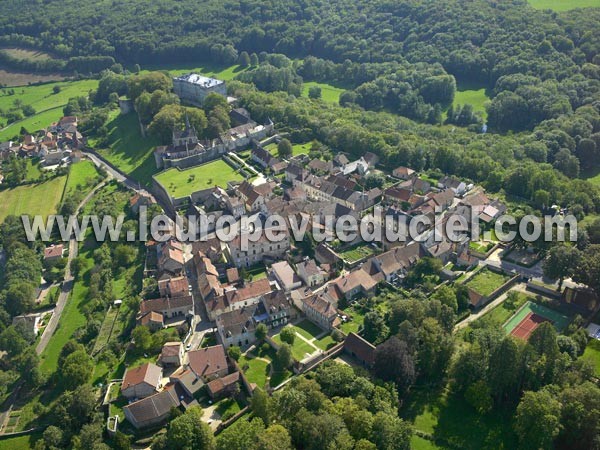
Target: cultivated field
{"x":564,"y":5}
{"x":15,"y":78}
{"x":42,"y":198}
{"x":181,"y":183}
{"x":27,"y":54}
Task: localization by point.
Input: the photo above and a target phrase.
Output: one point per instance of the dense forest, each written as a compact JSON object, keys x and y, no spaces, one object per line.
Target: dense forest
{"x":397,"y":56}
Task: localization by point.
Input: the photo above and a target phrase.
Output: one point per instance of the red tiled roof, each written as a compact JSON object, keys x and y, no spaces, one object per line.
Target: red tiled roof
{"x":146,"y":373}
{"x":207,"y":361}
{"x":53,"y":251}
{"x":217,"y":385}
{"x":171,"y":349}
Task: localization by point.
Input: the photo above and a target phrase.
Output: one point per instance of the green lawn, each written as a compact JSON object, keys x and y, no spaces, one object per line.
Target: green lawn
{"x":210,"y":70}
{"x":473,"y":95}
{"x":33,"y":199}
{"x":181,"y":183}
{"x":481,"y":246}
{"x":592,"y":354}
{"x":42,"y":97}
{"x":298,"y":149}
{"x":300,"y":349}
{"x":25,"y":442}
{"x":307,"y":329}
{"x":352,"y":326}
{"x":455,"y":424}
{"x":228,"y":406}
{"x":564,"y":5}
{"x":81,"y":177}
{"x":485,"y":281}
{"x":129,"y":151}
{"x":33,"y":170}
{"x":329,"y":93}
{"x":257,"y":371}
{"x":594,"y":178}
{"x":325,"y":343}
{"x":419,"y":443}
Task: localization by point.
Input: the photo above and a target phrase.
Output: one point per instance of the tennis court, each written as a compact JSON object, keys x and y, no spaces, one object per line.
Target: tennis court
{"x":529,"y":317}
{"x":524,"y":328}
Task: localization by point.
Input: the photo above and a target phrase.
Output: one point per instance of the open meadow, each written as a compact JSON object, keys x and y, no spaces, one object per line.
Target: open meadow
{"x":43,"y":198}
{"x":47,"y":104}
{"x":475,"y":96}
{"x":128,"y":149}
{"x":329,"y":93}
{"x":564,"y":5}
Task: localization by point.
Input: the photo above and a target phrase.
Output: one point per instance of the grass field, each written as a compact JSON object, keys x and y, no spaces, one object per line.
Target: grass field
{"x":300,"y":348}
{"x":25,"y":442}
{"x":48,"y":104}
{"x":298,"y":149}
{"x":455,"y":424}
{"x":32,"y":199}
{"x":593,"y":178}
{"x":473,"y":95}
{"x":564,"y":5}
{"x":352,"y":326}
{"x":181,"y":183}
{"x":43,"y":97}
{"x":559,"y":321}
{"x":307,"y":329}
{"x":329,"y":93}
{"x":485,"y":281}
{"x":129,"y":151}
{"x":325,"y":343}
{"x":257,"y":371}
{"x":210,"y":70}
{"x":81,"y":175}
{"x":592,"y":354}
{"x":33,"y":170}
{"x":31,"y":124}
{"x":419,"y":443}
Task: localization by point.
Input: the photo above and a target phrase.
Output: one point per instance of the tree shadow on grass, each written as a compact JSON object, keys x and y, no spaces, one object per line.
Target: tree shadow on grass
{"x":460,"y":426}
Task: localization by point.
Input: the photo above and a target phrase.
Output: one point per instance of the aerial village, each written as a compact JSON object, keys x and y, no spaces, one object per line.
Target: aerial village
{"x":238,"y":303}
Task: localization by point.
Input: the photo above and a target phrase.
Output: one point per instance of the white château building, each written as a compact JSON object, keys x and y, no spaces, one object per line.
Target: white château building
{"x":193,"y":88}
